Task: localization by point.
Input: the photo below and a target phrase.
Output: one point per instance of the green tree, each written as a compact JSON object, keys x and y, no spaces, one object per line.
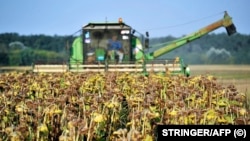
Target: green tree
{"x":4,"y":60}
{"x":15,"y":58}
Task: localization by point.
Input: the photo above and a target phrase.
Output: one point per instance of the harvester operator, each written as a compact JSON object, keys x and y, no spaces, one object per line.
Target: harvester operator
{"x":115,"y":48}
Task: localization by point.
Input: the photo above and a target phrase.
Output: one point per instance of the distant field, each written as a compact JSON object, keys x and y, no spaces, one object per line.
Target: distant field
{"x":226,"y":74}
{"x":238,"y":75}
{"x":13,"y":68}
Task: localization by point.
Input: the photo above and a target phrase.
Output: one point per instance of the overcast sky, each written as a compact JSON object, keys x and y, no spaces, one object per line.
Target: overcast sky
{"x":159,"y":17}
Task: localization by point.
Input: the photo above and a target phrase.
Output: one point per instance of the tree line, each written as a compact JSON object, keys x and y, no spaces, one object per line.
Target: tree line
{"x":17,"y":50}
{"x":23,"y":50}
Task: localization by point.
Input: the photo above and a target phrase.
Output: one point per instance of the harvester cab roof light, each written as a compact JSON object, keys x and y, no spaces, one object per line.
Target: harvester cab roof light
{"x":124,"y":31}
{"x":120,"y":20}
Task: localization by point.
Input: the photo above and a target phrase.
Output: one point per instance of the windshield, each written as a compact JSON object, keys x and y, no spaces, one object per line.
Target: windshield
{"x":98,"y":38}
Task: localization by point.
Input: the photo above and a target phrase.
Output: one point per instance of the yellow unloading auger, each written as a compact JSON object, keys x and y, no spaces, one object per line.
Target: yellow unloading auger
{"x":226,"y":22}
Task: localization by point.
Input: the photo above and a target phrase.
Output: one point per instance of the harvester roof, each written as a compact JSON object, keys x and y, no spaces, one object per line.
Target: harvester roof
{"x":107,"y":25}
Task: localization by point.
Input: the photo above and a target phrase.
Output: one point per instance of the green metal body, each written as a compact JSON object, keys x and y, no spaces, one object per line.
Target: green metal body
{"x":76,"y":56}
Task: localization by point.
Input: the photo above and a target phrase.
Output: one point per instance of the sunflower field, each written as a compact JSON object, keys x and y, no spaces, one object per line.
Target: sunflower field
{"x":111,"y":106}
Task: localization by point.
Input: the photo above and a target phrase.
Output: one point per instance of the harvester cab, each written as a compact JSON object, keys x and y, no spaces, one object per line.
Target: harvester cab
{"x":99,"y":44}
{"x":97,"y":50}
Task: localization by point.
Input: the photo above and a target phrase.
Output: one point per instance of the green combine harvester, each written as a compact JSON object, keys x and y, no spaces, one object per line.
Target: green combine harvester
{"x":90,"y":51}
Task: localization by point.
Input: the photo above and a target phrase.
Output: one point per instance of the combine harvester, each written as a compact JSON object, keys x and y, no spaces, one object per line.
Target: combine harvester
{"x":89,"y":51}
